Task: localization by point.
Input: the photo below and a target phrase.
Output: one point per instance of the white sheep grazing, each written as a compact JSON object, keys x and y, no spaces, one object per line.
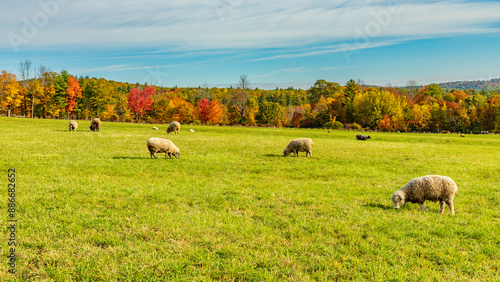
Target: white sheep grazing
{"x":73,"y":125}
{"x":299,"y":145}
{"x":174,"y":126}
{"x":159,"y":145}
{"x":434,"y":188}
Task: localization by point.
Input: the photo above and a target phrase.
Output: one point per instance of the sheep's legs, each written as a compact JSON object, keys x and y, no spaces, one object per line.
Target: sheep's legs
{"x":450,"y":206}
{"x":441,"y":206}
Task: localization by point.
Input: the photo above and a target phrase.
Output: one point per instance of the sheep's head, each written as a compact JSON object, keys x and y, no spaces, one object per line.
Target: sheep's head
{"x":368,"y":137}
{"x":177,"y":154}
{"x":286,"y":152}
{"x":397,"y":200}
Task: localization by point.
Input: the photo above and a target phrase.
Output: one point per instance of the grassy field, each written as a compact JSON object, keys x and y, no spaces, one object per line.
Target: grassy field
{"x":94,"y":206}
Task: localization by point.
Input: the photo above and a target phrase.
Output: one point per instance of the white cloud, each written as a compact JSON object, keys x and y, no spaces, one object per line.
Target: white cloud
{"x":190,"y":25}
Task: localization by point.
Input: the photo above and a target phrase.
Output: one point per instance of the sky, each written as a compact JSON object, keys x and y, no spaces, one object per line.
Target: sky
{"x":280,"y":44}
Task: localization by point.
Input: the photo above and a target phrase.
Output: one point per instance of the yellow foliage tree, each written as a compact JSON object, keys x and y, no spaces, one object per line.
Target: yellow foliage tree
{"x":11,"y":93}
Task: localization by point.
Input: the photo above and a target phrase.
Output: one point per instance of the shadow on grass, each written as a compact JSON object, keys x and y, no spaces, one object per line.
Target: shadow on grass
{"x":273,"y":155}
{"x":379,"y":206}
{"x":130,"y":158}
{"x":78,"y":131}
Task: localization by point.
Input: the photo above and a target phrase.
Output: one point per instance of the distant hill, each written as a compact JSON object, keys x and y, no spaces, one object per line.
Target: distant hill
{"x":476,"y":84}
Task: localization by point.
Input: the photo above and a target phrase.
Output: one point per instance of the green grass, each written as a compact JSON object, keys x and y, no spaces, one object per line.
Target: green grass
{"x":94,"y":206}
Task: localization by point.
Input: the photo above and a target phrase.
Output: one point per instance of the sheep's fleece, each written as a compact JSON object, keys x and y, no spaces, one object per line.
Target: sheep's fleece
{"x":73,"y":125}
{"x":159,"y":145}
{"x":95,"y":124}
{"x":299,"y":145}
{"x":174,"y":126}
{"x":434,"y":188}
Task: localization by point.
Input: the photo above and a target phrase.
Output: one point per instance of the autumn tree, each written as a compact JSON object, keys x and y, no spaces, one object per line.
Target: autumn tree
{"x":323,"y":88}
{"x":251,"y":110}
{"x":370,"y":106}
{"x":385,"y":124}
{"x":429,"y":94}
{"x":37,"y":91}
{"x":421,"y":116}
{"x":10,"y":91}
{"x":60,"y":85}
{"x":185,"y":112}
{"x":140,"y":101}
{"x":203,"y":110}
{"x":97,"y":93}
{"x":215,"y":112}
{"x":72,"y":92}
{"x":241,"y":94}
{"x":234,"y":114}
{"x":270,"y":114}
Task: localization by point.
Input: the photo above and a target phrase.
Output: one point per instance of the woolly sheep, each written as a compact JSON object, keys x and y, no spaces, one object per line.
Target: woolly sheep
{"x":95,"y":124}
{"x":299,"y":145}
{"x":362,"y":137}
{"x":159,"y":145}
{"x":73,"y":125}
{"x":434,"y":188}
{"x":174,"y":126}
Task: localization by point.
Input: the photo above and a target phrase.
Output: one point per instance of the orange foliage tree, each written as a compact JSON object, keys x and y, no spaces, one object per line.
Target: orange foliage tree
{"x":74,"y":91}
{"x":385,"y":124}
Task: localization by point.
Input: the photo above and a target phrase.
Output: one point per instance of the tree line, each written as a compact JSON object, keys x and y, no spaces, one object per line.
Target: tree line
{"x":47,"y":94}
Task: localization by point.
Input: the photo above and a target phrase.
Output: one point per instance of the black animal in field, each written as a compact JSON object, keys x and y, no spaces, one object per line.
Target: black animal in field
{"x":362,"y":137}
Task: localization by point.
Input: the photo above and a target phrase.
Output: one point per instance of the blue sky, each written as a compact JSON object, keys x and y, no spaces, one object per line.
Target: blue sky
{"x":277,"y":44}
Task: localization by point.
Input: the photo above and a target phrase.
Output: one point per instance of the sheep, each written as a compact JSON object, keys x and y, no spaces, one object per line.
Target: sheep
{"x":155,"y":128}
{"x":174,"y":126}
{"x":95,"y":124}
{"x":434,"y":188}
{"x":461,"y":135}
{"x":159,"y":145}
{"x":73,"y":125}
{"x":362,"y":137}
{"x":299,"y":145}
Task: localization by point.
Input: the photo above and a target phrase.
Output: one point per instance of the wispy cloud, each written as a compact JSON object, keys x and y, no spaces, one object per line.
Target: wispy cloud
{"x":342,"y":47}
{"x":197,"y":25}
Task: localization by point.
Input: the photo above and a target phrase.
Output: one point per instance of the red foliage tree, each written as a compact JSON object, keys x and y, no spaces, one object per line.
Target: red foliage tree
{"x":140,"y":101}
{"x":203,"y":110}
{"x":296,"y":117}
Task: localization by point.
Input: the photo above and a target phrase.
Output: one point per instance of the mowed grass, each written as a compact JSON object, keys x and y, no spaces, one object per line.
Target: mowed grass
{"x":94,"y":206}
